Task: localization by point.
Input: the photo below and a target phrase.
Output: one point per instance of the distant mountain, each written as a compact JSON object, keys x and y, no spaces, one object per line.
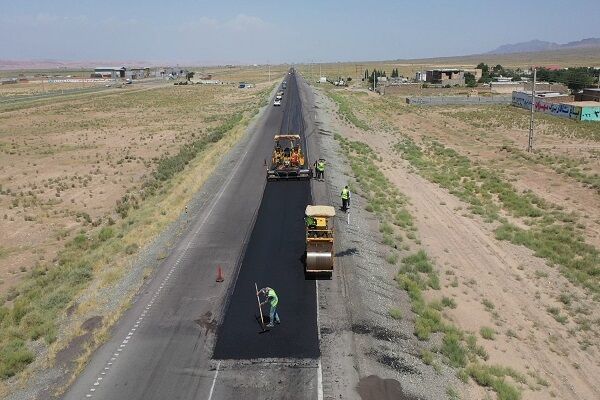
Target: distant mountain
{"x":541,"y":45}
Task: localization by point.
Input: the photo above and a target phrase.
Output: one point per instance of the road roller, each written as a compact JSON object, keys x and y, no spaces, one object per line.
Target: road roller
{"x":319,"y":239}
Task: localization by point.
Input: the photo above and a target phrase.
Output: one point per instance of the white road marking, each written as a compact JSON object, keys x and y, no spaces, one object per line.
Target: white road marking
{"x":212,"y":388}
{"x":319,"y":367}
{"x":215,"y":201}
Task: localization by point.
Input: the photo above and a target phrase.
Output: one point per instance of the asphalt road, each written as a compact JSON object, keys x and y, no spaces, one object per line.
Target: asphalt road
{"x":274,"y":258}
{"x":162,"y":347}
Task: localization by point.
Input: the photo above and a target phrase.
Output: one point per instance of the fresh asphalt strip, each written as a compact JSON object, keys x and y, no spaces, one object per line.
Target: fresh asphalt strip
{"x":274,"y":257}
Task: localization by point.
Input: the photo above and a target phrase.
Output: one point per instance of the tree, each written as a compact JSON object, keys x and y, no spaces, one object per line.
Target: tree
{"x":189,"y":75}
{"x":366,"y":74}
{"x":498,"y":69}
{"x":470,"y":79}
{"x":484,"y":68}
{"x":578,"y":78}
{"x":485,"y":73}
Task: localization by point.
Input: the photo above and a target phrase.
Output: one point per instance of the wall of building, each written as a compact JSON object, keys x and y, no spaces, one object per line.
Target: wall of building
{"x":523,"y":100}
{"x":589,"y":113}
{"x":588,"y":95}
{"x":451,"y":100}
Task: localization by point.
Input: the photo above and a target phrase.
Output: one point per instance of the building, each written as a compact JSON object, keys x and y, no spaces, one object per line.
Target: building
{"x":137,"y":73}
{"x":552,"y":103}
{"x":446,"y":76}
{"x":109,"y":72}
{"x":171,"y":73}
{"x":502,"y":78}
{"x":420,"y":76}
{"x":591,"y":94}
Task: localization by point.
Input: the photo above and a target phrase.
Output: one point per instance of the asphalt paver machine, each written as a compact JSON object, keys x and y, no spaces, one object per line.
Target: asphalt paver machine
{"x":288,"y":161}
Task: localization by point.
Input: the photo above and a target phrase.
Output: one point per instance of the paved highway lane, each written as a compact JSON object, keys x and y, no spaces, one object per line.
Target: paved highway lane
{"x":274,"y":258}
{"x":162,"y":347}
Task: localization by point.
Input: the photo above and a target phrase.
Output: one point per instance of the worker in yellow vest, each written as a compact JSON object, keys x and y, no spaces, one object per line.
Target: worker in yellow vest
{"x":273,"y":300}
{"x":345,"y":198}
{"x":320,"y":168}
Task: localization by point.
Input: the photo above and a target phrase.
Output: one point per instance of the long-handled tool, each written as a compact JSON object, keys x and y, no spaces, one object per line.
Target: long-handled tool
{"x":262,"y":321}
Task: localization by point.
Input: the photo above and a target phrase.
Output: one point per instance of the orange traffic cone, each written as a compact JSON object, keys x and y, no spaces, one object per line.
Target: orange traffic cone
{"x":220,"y":274}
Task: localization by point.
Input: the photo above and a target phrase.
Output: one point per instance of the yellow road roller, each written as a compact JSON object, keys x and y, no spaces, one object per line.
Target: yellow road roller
{"x":319,"y":239}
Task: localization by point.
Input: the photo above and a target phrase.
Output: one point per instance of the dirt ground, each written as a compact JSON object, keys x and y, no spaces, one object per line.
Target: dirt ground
{"x":64,"y":165}
{"x":494,"y":283}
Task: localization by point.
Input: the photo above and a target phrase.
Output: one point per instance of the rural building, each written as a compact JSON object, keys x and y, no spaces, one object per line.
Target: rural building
{"x":446,"y":76}
{"x":591,"y":94}
{"x":171,"y":72}
{"x":509,"y":87}
{"x":559,"y":105}
{"x":420,"y":76}
{"x":137,"y":73}
{"x":109,"y":72}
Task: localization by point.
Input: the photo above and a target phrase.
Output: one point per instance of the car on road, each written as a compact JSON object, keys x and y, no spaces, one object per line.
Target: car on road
{"x":277,"y":102}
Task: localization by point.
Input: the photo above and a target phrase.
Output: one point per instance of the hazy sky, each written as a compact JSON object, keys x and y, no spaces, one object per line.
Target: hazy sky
{"x":260,"y":31}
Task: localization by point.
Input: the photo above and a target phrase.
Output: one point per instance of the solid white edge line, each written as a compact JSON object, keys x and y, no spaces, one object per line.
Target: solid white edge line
{"x":319,"y":367}
{"x":212,"y":388}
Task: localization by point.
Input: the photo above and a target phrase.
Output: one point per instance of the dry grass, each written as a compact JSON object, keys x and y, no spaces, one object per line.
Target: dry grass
{"x":90,"y":181}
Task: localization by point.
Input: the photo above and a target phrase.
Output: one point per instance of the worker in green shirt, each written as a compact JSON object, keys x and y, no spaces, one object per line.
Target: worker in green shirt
{"x":273,"y":300}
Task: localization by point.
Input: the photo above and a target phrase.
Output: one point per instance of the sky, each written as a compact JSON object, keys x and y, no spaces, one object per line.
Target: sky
{"x":265,"y":31}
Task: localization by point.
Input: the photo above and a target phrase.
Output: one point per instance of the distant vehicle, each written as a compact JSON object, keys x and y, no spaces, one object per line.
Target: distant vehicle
{"x":284,"y":85}
{"x":128,"y":81}
{"x":277,"y":102}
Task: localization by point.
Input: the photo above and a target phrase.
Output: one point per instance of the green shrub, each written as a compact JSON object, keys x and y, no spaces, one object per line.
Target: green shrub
{"x":106,"y":233}
{"x":395,"y":313}
{"x":448,"y":302}
{"x":427,"y":357}
{"x":14,"y":356}
{"x":453,"y":349}
{"x":487,"y":333}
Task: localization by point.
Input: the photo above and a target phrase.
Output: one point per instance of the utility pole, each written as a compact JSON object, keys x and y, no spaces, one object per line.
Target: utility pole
{"x":530,"y":140}
{"x":269,"y":73}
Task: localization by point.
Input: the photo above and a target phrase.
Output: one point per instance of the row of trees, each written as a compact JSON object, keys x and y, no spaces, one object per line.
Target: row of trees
{"x":374,"y":74}
{"x":574,"y":78}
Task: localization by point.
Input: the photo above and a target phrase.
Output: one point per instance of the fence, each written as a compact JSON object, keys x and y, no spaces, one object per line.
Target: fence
{"x":464,"y":100}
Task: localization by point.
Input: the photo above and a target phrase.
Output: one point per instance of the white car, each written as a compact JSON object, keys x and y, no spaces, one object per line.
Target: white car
{"x":277,"y":102}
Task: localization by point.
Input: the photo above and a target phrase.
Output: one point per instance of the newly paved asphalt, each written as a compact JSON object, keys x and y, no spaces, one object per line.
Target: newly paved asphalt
{"x":162,"y":348}
{"x":274,"y":258}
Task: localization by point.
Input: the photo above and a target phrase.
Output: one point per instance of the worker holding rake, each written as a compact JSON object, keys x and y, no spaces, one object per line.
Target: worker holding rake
{"x":273,"y":300}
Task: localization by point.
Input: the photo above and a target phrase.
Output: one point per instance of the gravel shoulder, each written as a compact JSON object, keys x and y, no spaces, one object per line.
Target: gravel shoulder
{"x":537,"y":315}
{"x":362,"y":345}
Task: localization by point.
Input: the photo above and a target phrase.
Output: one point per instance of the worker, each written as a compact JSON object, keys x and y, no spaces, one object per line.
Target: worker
{"x":273,"y":300}
{"x":345,"y":198}
{"x":311,"y":222}
{"x":295,"y":158}
{"x":320,"y":168}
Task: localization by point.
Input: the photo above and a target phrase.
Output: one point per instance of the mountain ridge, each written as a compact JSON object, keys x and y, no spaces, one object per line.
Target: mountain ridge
{"x":542,"y":45}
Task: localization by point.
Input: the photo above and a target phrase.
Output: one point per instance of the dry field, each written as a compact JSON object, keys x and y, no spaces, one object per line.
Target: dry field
{"x":514,"y":237}
{"x":85,"y":182}
{"x":65,"y":166}
{"x":565,"y":58}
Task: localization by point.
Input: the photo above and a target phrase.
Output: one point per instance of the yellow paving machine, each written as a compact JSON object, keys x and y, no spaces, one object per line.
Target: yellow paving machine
{"x":288,"y":160}
{"x":319,"y":239}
